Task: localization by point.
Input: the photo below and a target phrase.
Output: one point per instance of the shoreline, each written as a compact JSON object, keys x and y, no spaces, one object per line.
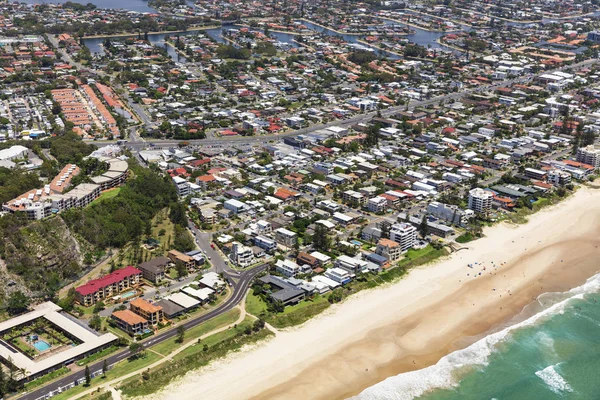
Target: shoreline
{"x":432,"y":312}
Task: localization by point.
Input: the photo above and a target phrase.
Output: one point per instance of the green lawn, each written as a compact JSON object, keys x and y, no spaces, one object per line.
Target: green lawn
{"x":291,"y":315}
{"x":109,"y":194}
{"x":229,"y":317}
{"x":255,"y":305}
{"x":413,"y":257}
{"x":465,"y":237}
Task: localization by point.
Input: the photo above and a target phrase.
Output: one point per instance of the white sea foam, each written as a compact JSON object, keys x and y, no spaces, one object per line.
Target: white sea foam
{"x":444,"y":374}
{"x":546,"y":340}
{"x":554,"y":380}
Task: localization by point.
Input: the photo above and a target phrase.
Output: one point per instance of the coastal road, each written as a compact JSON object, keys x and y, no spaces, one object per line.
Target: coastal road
{"x":240,"y":285}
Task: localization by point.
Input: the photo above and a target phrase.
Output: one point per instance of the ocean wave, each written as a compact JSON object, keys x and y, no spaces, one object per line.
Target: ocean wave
{"x":446,"y":373}
{"x":554,"y":380}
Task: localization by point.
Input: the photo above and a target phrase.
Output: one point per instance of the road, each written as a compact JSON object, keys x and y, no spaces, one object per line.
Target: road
{"x":239,"y":285}
{"x":138,"y":144}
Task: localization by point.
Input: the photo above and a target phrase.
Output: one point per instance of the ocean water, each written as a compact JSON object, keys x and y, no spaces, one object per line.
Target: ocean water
{"x":553,"y":353}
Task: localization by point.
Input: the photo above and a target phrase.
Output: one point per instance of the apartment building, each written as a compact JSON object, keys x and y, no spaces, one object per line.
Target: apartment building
{"x":480,"y":201}
{"x":404,"y":234}
{"x":389,"y":249}
{"x":107,"y":286}
{"x":377,"y":204}
{"x":290,"y":269}
{"x":242,"y":255}
{"x":354,"y":198}
{"x":177,"y":256}
{"x":285,"y":237}
{"x":350,"y":264}
{"x":558,"y":177}
{"x":589,"y":155}
{"x":150,"y":312}
{"x":182,"y":186}
{"x":154,"y":270}
{"x":130,"y":322}
{"x":449,"y":213}
{"x":265,"y":243}
{"x":338,"y":275}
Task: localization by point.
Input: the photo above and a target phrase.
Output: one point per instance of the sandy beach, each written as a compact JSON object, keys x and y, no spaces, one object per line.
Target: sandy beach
{"x":411,"y":324}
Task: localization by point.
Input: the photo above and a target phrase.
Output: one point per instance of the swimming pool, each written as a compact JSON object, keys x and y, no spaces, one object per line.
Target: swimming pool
{"x":41,"y":345}
{"x":127,"y":295}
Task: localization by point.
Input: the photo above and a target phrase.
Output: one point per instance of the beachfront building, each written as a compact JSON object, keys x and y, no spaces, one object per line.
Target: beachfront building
{"x":589,"y":155}
{"x":107,"y":286}
{"x":480,"y":201}
{"x":350,"y":264}
{"x":130,"y":322}
{"x":449,"y":213}
{"x":404,"y":234}
{"x":389,"y":249}
{"x":338,"y":275}
{"x":152,"y":313}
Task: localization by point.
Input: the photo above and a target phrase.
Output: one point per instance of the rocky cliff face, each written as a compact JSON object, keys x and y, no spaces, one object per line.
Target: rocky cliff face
{"x":42,"y":256}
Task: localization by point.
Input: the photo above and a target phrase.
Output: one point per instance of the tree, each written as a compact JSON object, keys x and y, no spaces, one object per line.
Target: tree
{"x":17,"y":303}
{"x":3,"y":383}
{"x":320,"y":238}
{"x":88,"y":376}
{"x":258,"y":325}
{"x":423,"y":227}
{"x":104,"y":368}
{"x":95,"y":322}
{"x":385,"y":230}
{"x":335,"y":296}
{"x":136,"y":349}
{"x":177,"y":214}
{"x":181,"y":269}
{"x":183,"y":240}
{"x":180,"y":334}
{"x":99,"y":306}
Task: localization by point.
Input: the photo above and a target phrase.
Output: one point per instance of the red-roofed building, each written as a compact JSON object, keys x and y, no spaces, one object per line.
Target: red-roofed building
{"x":285,"y":194}
{"x":108,"y":285}
{"x":204,"y":180}
{"x":178,"y":172}
{"x":199,"y":163}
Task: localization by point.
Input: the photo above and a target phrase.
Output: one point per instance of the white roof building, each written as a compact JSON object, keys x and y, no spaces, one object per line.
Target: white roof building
{"x":183,"y":300}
